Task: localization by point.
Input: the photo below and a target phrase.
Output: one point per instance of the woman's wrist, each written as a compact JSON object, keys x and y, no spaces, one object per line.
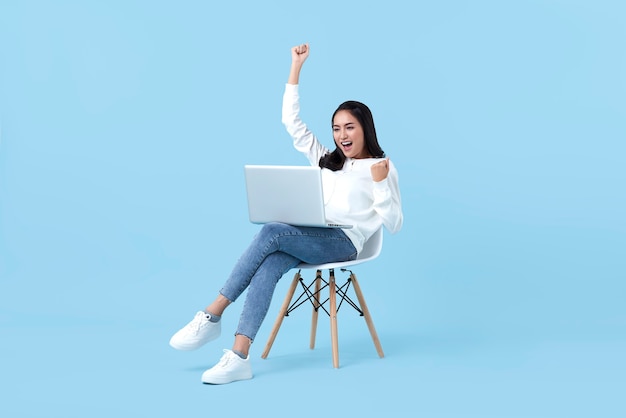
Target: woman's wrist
{"x":294,"y":73}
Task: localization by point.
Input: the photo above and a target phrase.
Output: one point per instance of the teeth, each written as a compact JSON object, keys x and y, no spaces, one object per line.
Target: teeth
{"x":346,"y":143}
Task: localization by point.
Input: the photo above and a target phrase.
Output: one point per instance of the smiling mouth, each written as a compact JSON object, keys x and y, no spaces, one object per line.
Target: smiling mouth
{"x":346,"y":144}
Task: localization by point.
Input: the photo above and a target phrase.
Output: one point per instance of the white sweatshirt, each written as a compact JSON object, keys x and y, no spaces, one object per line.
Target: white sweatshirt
{"x":351,"y":196}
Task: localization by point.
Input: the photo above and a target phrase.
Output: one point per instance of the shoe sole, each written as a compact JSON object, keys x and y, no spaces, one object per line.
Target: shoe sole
{"x":225,"y":382}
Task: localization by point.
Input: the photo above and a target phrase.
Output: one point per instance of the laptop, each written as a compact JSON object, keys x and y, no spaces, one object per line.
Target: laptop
{"x":288,"y":194}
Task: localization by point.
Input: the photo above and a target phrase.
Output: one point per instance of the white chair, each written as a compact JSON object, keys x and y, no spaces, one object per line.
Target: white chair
{"x":371,"y":250}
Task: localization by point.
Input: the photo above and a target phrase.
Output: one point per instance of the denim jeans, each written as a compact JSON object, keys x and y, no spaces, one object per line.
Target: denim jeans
{"x":275,"y":250}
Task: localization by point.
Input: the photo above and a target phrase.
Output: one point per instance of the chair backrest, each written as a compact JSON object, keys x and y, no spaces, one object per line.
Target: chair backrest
{"x":371,"y":249}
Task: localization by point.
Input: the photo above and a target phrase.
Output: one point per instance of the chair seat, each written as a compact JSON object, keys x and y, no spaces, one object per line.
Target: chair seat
{"x":371,"y":250}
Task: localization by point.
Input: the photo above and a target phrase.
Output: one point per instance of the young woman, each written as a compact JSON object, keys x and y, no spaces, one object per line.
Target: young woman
{"x":360,"y":188}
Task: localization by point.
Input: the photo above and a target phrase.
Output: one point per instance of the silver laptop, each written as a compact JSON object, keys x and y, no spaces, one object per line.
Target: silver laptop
{"x":288,"y":194}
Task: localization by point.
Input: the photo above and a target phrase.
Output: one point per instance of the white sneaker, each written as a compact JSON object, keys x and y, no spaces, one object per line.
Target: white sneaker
{"x":230,"y":368}
{"x":196,"y":333}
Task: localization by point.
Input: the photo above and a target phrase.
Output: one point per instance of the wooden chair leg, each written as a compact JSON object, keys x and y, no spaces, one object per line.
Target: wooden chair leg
{"x":316,"y":305}
{"x":281,"y":314}
{"x":366,"y":314}
{"x":333,"y":318}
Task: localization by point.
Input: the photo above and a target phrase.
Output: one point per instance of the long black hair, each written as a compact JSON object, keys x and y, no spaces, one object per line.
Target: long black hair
{"x":334,"y":160}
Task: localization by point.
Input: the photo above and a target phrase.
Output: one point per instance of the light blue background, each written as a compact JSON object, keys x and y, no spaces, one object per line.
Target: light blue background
{"x":124,"y":127}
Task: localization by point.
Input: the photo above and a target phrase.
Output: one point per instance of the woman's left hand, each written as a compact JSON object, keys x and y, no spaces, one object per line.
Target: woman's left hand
{"x":380,"y":170}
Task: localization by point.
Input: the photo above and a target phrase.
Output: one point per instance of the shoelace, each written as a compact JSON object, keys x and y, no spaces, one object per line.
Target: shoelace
{"x":196,"y":322}
{"x":226,"y":358}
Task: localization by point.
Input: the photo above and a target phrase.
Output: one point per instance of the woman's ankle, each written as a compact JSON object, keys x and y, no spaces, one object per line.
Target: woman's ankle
{"x":242,"y":345}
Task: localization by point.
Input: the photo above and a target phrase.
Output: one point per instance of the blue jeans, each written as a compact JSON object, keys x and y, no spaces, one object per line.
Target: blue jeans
{"x":275,"y":250}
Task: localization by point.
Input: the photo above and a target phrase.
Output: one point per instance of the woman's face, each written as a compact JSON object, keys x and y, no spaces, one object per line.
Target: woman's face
{"x":348,"y":135}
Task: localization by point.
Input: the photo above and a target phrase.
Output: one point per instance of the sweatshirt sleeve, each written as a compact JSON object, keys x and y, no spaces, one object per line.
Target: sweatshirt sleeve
{"x":387,"y":201}
{"x":303,"y":139}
